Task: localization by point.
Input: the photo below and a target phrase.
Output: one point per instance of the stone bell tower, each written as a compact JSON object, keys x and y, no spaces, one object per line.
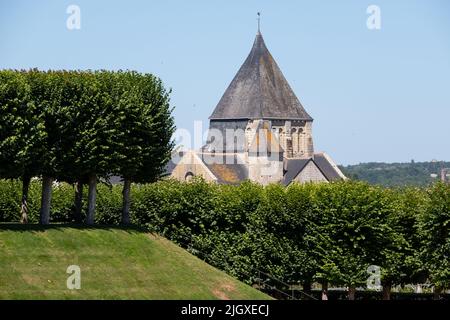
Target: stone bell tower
{"x":259,"y":131}
{"x":259,"y":91}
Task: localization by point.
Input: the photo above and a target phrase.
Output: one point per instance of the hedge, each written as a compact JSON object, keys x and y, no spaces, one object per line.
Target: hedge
{"x":300,"y":234}
{"x":108,"y":206}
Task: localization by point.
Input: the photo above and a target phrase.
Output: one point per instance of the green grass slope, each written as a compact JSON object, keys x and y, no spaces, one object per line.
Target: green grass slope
{"x":115,"y":263}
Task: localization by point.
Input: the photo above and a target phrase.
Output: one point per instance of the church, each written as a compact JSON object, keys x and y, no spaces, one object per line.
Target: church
{"x":258,"y":131}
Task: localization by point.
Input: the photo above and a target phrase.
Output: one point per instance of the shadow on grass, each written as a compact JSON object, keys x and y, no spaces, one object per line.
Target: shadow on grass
{"x":19,"y":227}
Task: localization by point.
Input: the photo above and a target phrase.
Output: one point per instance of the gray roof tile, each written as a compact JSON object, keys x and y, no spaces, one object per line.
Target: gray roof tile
{"x":228,"y":171}
{"x":325,"y":166}
{"x":259,"y":91}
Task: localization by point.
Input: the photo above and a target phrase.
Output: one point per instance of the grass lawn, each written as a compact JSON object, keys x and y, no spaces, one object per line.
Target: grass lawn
{"x":115,"y":263}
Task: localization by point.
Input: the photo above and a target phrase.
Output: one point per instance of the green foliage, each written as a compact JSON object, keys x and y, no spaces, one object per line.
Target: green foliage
{"x":179,"y":210}
{"x":303,"y":233}
{"x":302,"y":206}
{"x":395,"y":174}
{"x":350,"y":230}
{"x":10,"y":194}
{"x":435,"y":235}
{"x":22,"y":127}
{"x":109,"y":202}
{"x":401,"y":261}
{"x":72,"y":125}
{"x":142,"y":126}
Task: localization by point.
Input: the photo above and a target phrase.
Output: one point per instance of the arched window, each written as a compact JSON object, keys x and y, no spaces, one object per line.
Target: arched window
{"x":188,"y":176}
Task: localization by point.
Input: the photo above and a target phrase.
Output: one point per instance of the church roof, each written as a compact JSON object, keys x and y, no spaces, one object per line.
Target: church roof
{"x":228,"y":173}
{"x":259,"y":91}
{"x":293,"y":167}
{"x":328,"y":167}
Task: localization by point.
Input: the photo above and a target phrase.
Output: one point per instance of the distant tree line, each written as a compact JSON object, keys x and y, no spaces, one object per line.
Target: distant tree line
{"x":396,"y":174}
{"x":79,"y":127}
{"x":302,"y":234}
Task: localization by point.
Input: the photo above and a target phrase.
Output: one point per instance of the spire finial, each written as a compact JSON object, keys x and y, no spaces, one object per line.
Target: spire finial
{"x":259,"y":18}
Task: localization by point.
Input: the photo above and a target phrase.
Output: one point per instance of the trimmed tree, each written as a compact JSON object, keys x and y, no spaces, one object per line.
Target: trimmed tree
{"x":76,"y":99}
{"x":435,"y":234}
{"x":143,"y":127}
{"x":302,"y":218}
{"x":94,"y":136}
{"x":47,"y":94}
{"x":399,"y":260}
{"x":22,"y":133}
{"x":352,"y":230}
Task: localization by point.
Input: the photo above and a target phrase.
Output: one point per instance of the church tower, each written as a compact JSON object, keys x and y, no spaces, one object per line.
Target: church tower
{"x":260,"y":92}
{"x":259,"y":131}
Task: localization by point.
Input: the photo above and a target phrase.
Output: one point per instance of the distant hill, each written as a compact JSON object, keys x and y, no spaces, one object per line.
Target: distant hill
{"x":115,"y":263}
{"x":395,"y":174}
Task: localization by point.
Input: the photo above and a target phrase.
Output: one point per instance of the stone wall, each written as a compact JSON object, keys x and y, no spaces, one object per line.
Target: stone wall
{"x":310,"y":173}
{"x":295,"y":138}
{"x":219,"y":141}
{"x":189,"y":166}
{"x":265,"y":170}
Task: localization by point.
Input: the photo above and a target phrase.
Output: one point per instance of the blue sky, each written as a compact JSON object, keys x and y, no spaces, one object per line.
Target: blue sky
{"x":375,"y":95}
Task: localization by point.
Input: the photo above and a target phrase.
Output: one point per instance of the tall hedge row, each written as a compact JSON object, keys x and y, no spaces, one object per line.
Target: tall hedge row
{"x":328,"y":233}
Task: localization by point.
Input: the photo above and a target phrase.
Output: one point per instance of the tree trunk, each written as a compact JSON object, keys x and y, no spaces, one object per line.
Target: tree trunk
{"x":126,"y":201}
{"x":307,"y":288}
{"x":46,"y":199}
{"x":351,"y":293}
{"x":24,"y":204}
{"x":437,"y":293}
{"x":418,"y":289}
{"x":78,"y":201}
{"x":92,"y":194}
{"x":324,"y":290}
{"x":387,"y":291}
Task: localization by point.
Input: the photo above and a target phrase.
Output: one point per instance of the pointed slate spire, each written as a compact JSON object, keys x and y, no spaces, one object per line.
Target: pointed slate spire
{"x":259,"y":91}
